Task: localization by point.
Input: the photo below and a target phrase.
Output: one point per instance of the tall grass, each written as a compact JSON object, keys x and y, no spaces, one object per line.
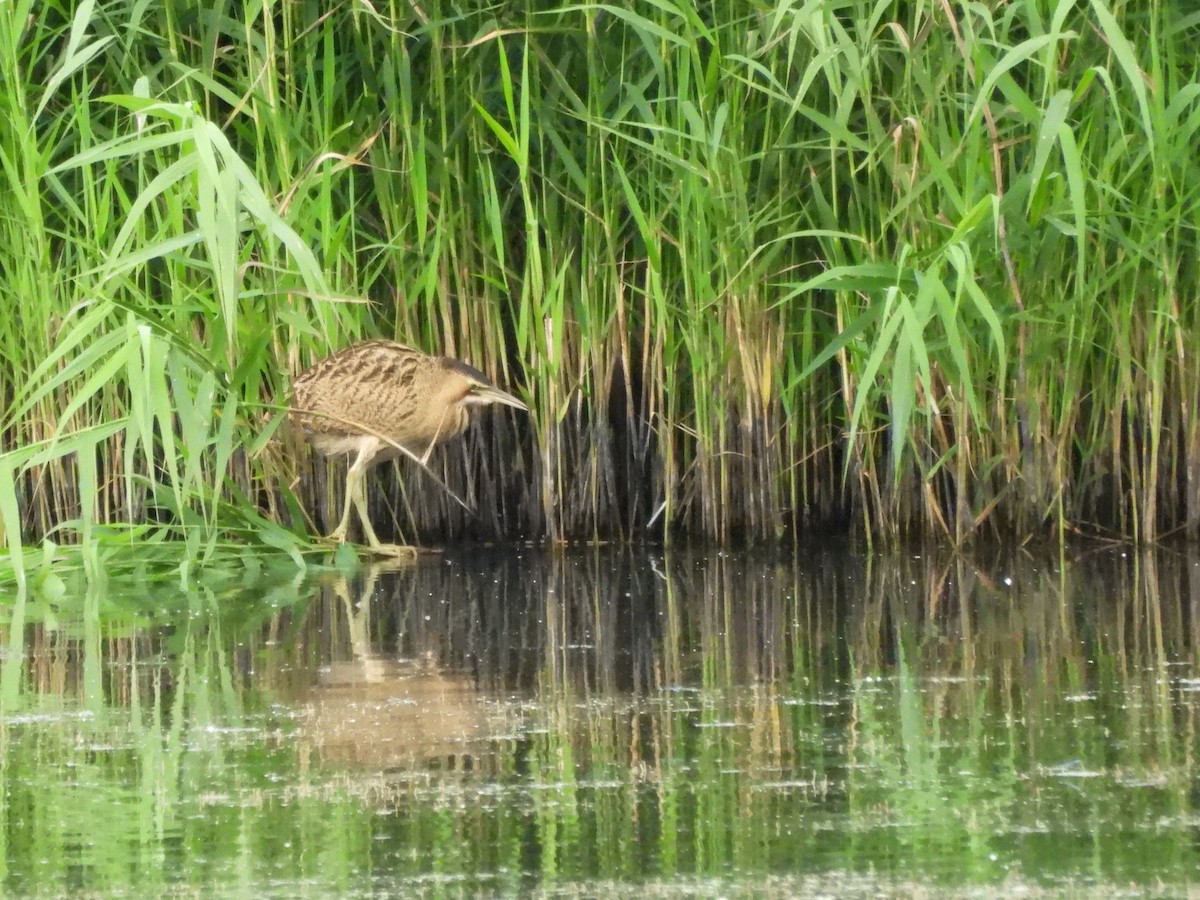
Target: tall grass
{"x":903,"y":268}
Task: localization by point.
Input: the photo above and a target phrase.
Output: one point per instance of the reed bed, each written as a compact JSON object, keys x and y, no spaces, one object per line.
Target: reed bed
{"x":900,"y":269}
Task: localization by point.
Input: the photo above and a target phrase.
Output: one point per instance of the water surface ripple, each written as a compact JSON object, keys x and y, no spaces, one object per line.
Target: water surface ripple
{"x":599,"y":721}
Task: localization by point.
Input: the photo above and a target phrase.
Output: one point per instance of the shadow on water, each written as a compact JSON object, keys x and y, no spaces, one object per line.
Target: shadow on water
{"x":577,"y":723}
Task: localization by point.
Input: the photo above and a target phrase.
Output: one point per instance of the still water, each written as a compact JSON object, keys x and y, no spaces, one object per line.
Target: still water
{"x":608,"y":723}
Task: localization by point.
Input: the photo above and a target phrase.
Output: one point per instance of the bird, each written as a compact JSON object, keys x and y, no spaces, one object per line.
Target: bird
{"x":376,"y":400}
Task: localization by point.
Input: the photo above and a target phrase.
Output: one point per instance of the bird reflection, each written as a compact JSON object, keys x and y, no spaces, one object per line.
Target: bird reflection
{"x":379,"y":712}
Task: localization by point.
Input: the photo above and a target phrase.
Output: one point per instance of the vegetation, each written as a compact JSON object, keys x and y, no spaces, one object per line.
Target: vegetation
{"x":901,"y":267}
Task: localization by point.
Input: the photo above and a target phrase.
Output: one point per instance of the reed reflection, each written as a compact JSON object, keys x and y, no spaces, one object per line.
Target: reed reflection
{"x":600,"y":622}
{"x":572,"y":711}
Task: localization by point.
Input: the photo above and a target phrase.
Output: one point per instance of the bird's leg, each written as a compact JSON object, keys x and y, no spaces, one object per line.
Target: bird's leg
{"x":360,"y":504}
{"x":353,"y":479}
{"x":377,"y":546}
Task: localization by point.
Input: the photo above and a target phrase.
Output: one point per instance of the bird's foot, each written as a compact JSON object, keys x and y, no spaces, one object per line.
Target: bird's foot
{"x":399,"y":551}
{"x":337,"y":537}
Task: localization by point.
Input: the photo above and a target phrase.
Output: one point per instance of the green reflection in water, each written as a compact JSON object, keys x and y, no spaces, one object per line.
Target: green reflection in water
{"x":583,"y":722}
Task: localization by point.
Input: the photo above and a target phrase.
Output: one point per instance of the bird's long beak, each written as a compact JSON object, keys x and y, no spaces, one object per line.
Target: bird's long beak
{"x":483,"y":394}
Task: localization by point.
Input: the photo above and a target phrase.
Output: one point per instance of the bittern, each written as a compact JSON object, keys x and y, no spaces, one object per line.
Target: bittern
{"x":378,"y":400}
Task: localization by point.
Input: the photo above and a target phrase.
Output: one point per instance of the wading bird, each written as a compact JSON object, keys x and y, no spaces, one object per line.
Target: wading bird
{"x":377,"y":400}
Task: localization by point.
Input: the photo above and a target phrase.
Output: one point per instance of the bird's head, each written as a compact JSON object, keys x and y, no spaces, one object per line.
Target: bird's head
{"x":473,"y":388}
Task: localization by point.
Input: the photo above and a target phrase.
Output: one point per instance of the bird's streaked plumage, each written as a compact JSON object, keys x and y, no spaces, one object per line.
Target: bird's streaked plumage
{"x":373,"y":398}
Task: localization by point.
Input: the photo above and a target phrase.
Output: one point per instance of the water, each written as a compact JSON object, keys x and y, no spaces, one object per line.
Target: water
{"x":609,"y":722}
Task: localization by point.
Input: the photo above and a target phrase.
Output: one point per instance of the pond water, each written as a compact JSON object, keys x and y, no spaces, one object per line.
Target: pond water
{"x":606,"y":722}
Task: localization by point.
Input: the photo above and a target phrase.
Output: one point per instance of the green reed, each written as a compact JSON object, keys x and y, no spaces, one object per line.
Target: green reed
{"x":907,"y":268}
